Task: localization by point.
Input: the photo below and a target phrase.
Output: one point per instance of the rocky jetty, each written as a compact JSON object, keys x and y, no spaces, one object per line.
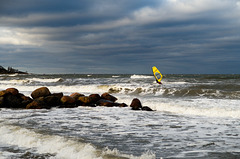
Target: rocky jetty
{"x":42,"y":98}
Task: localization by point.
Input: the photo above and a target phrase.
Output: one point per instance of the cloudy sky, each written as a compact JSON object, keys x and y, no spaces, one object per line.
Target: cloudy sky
{"x":124,"y":36}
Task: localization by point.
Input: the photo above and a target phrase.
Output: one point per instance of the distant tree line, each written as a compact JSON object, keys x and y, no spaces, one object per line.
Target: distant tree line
{"x":10,"y":70}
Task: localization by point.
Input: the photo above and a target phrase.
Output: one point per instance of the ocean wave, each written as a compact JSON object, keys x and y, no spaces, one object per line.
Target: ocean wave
{"x":140,"y":76}
{"x":199,"y":107}
{"x":200,"y":92}
{"x":30,"y":81}
{"x":57,"y":146}
{"x":47,"y":80}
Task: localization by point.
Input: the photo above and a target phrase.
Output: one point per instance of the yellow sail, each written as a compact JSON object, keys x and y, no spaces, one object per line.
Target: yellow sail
{"x":157,"y":74}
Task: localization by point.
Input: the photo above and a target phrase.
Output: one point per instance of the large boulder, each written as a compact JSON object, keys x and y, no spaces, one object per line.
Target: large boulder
{"x":76,"y":95}
{"x":52,"y":101}
{"x":47,"y":102}
{"x":85,"y":101}
{"x":13,"y":91}
{"x":66,"y":100}
{"x":3,"y":93}
{"x":38,"y":103}
{"x":94,"y":98}
{"x":107,"y":96}
{"x":58,"y":95}
{"x":106,"y":103}
{"x":13,"y":101}
{"x":11,"y":98}
{"x":34,"y":105}
{"x":25,"y":100}
{"x":40,"y":92}
{"x":136,"y":104}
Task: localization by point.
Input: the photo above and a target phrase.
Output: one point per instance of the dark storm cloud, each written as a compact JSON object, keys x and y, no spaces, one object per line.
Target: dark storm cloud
{"x":180,"y":36}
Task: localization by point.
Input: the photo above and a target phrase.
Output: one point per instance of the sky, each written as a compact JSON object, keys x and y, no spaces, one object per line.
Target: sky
{"x":124,"y":36}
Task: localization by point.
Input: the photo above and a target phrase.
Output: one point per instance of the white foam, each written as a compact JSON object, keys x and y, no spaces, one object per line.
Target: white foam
{"x":63,"y":148}
{"x":29,"y":80}
{"x":59,"y":146}
{"x":15,"y":82}
{"x":140,"y":76}
{"x":43,"y":80}
{"x":13,"y":75}
{"x":199,"y":107}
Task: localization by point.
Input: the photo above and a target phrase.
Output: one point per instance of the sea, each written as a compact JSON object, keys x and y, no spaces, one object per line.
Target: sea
{"x":195,"y":117}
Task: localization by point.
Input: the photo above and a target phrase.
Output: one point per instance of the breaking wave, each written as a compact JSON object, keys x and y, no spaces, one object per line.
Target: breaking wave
{"x":52,"y":146}
{"x":140,"y":76}
{"x":172,"y":92}
{"x":31,"y":80}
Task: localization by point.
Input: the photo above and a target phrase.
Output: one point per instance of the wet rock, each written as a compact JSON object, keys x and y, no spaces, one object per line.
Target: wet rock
{"x":58,"y":95}
{"x":94,"y":98}
{"x":84,"y":101}
{"x":1,"y":102}
{"x":13,"y":91}
{"x":40,"y":92}
{"x":13,"y":101}
{"x":52,"y":100}
{"x":38,"y":103}
{"x":122,"y":105}
{"x":25,"y":101}
{"x":136,"y":104}
{"x":3,"y":93}
{"x":33,"y":105}
{"x":67,"y":100}
{"x":76,"y":95}
{"x":107,"y":96}
{"x":146,"y":108}
{"x":104,"y":102}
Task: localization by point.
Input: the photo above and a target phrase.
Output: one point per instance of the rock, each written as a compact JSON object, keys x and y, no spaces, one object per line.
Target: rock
{"x":66,"y":100}
{"x":76,"y":95}
{"x":84,"y":101}
{"x":58,"y":95}
{"x":13,"y":91}
{"x":3,"y":93}
{"x":136,"y":104}
{"x":37,"y":104}
{"x":13,"y":101}
{"x":104,"y":102}
{"x":1,"y":102}
{"x":122,"y":105}
{"x":25,"y":101}
{"x":34,"y":105}
{"x":146,"y":108}
{"x":94,"y":98}
{"x":40,"y":92}
{"x":52,"y":101}
{"x":107,"y":96}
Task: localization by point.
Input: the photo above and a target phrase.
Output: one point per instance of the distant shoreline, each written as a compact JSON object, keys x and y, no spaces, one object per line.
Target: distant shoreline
{"x":10,"y":70}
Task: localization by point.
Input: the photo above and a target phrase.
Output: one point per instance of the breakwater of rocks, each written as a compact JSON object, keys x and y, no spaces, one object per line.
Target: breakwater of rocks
{"x":42,"y":98}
